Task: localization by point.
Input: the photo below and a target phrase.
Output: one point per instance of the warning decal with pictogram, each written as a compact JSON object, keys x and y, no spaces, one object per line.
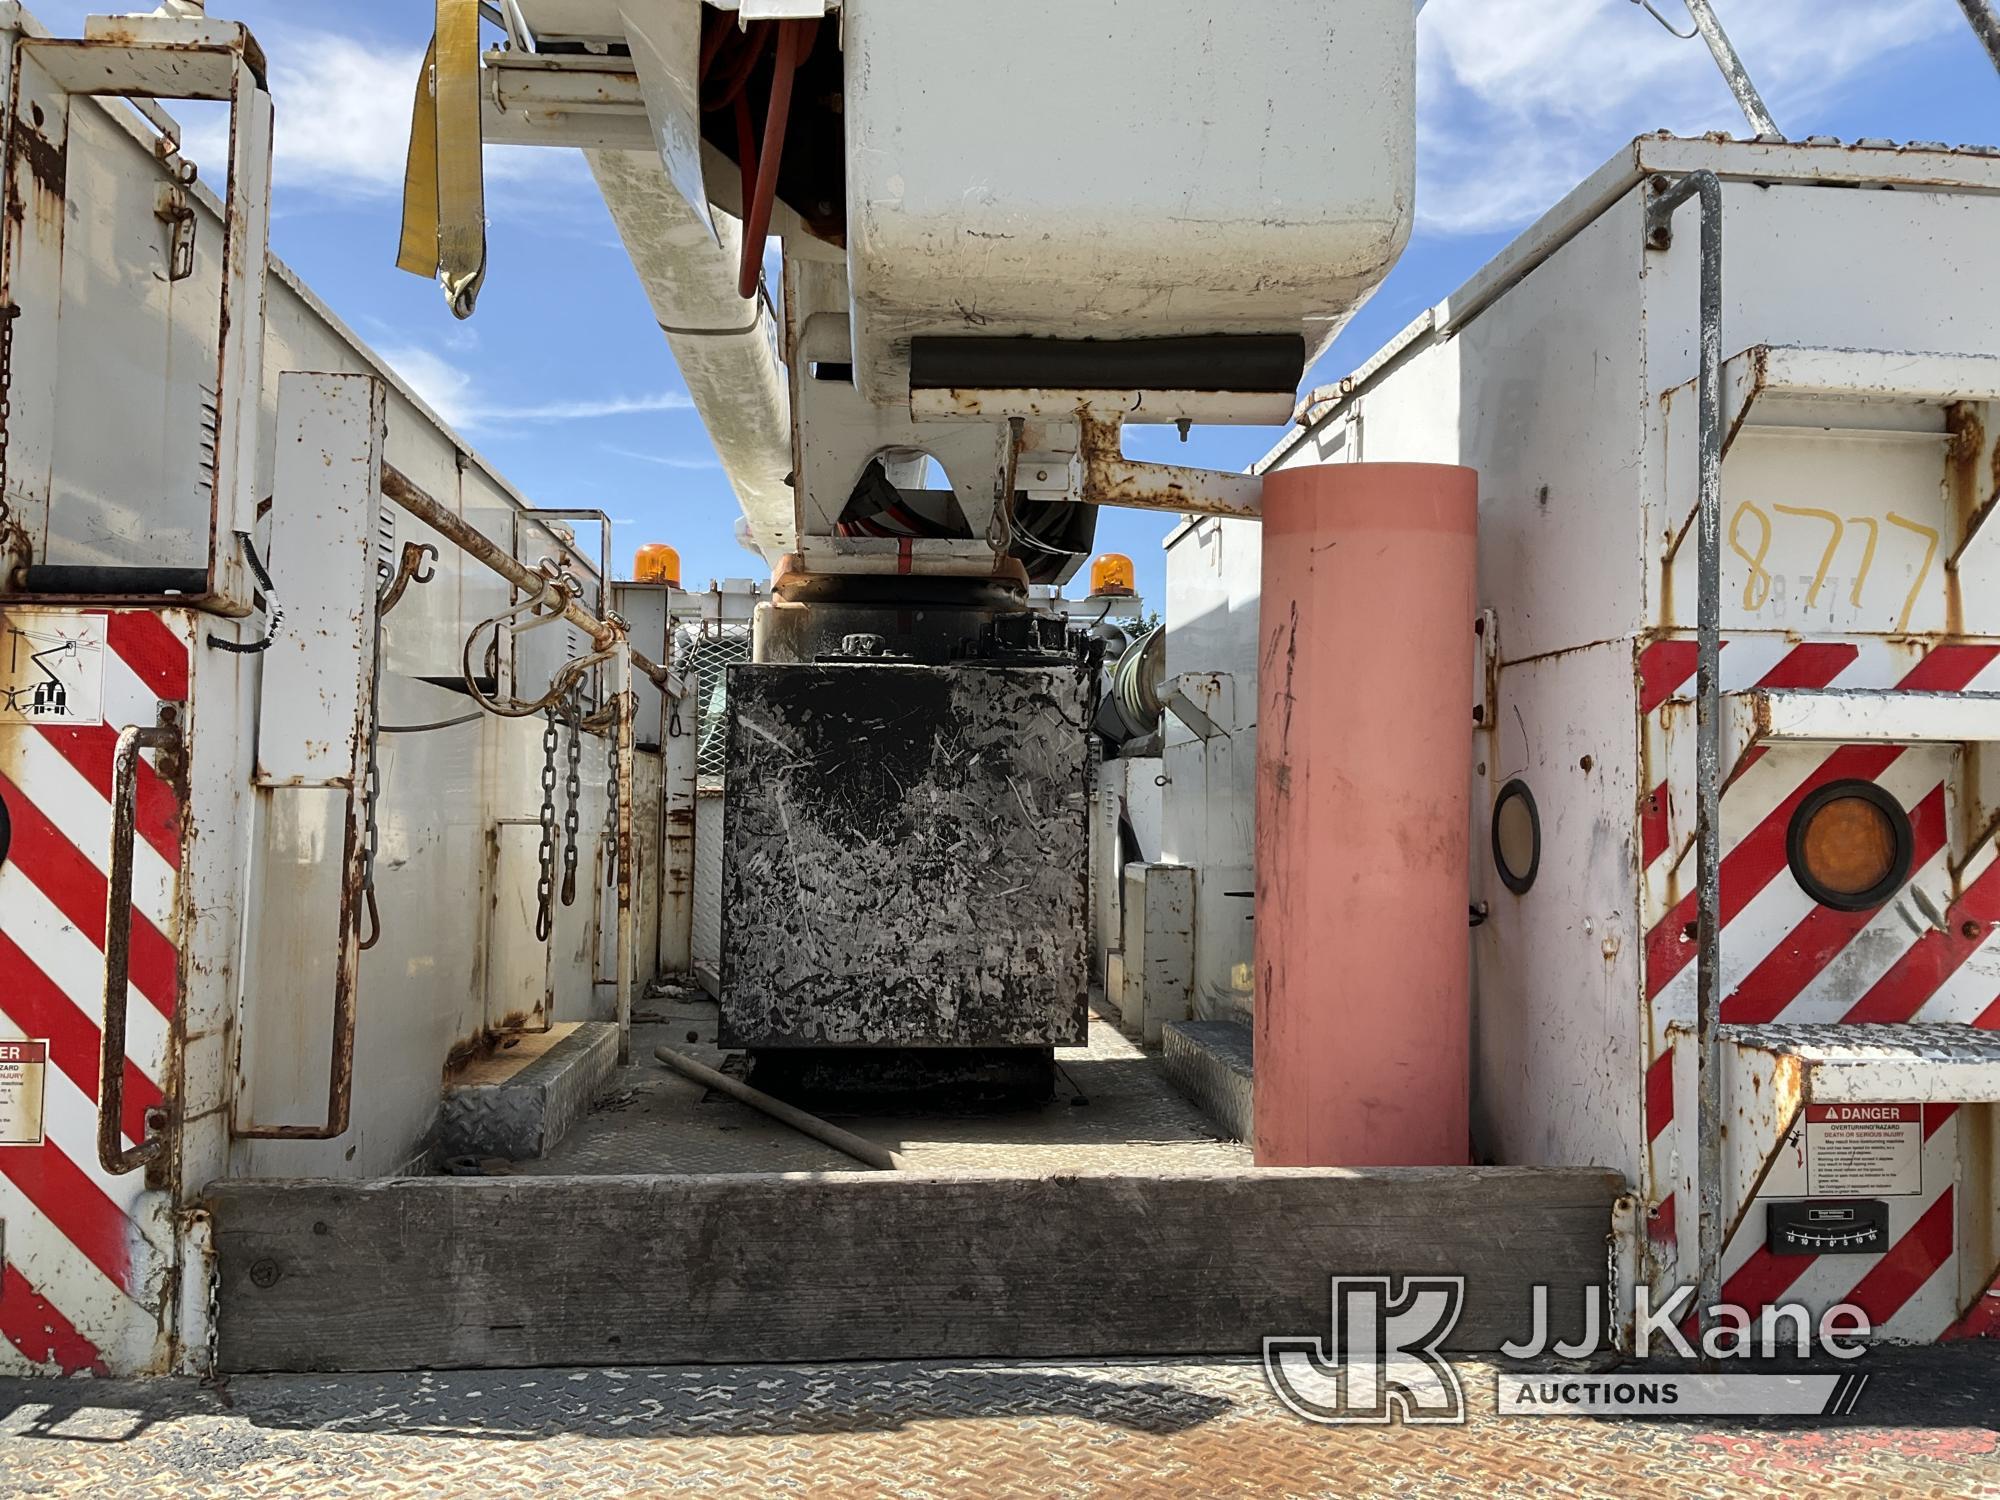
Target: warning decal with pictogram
{"x":23,"y":1071}
{"x":51,"y":667}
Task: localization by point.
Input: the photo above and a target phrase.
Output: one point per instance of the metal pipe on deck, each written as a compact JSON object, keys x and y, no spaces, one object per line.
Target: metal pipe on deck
{"x":861,"y":1149}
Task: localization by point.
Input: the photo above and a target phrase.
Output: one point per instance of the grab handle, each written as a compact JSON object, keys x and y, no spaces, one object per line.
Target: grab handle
{"x":111,"y":1152}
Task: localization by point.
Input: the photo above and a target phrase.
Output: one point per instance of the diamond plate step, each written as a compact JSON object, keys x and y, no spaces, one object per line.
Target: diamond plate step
{"x":1927,"y":1062}
{"x":520,"y":1101}
{"x":1210,"y":1062}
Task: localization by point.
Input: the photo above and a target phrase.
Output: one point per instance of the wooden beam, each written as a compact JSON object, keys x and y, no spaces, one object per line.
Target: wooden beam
{"x":457,"y":1272}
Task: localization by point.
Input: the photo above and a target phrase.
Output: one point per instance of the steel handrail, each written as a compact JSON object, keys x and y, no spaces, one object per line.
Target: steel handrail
{"x":1669,"y":195}
{"x":112,"y":1155}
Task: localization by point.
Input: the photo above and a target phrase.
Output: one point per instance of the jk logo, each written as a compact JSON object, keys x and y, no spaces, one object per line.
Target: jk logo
{"x":1383,"y":1363}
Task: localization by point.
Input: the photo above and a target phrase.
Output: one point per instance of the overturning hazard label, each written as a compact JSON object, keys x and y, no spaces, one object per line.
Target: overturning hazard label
{"x":51,"y":667}
{"x":23,"y":1070}
{"x":1864,"y":1150}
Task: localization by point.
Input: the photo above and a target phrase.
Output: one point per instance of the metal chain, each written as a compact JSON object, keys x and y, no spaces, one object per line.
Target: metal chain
{"x":611,"y":811}
{"x":371,"y":793}
{"x":9,"y":314}
{"x":573,"y":791}
{"x":11,"y":534}
{"x":212,"y":1338}
{"x":545,"y":882}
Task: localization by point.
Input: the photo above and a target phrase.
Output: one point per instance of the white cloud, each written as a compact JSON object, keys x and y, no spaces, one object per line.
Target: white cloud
{"x":443,"y":385}
{"x":1518,"y":100}
{"x":452,"y":393}
{"x":577,"y":411}
{"x":664,"y":460}
{"x":343,"y":121}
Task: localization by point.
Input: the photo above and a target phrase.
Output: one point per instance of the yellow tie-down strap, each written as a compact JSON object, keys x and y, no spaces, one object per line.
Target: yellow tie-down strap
{"x":444,"y":188}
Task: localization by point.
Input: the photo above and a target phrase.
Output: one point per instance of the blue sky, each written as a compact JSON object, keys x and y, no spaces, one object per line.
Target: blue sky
{"x":563,"y":382}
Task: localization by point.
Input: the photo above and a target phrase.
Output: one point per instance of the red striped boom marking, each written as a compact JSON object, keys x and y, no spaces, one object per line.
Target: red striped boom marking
{"x":1663,"y":667}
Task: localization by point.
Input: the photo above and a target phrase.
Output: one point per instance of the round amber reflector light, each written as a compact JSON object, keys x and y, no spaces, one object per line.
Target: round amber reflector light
{"x":1517,"y":837}
{"x":1850,"y":845}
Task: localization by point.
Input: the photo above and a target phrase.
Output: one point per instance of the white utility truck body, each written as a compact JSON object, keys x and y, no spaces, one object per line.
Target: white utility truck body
{"x":266,"y":830}
{"x":1860,"y":615}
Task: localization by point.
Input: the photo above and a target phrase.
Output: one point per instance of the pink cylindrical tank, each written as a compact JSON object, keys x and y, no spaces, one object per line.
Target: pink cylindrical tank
{"x":1364,"y":747}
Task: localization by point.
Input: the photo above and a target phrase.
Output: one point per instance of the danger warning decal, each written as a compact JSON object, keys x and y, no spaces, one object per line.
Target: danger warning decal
{"x":1864,"y":1150}
{"x":23,"y":1071}
{"x":1851,"y":1151}
{"x":51,"y":668}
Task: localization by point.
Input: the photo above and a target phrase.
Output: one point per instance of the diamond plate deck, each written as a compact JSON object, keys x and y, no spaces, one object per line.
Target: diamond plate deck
{"x":493,"y":1107}
{"x":1926,"y":1427}
{"x":1212,"y":1063}
{"x":1916,"y":1042}
{"x":650,"y":1119}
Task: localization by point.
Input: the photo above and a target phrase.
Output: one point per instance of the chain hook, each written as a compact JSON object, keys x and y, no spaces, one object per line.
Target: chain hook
{"x":414,"y":567}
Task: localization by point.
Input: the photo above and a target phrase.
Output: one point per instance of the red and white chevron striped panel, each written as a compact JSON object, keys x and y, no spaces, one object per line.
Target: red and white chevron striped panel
{"x":1909,"y":1293}
{"x":89,"y":1256}
{"x":1785,"y":958}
